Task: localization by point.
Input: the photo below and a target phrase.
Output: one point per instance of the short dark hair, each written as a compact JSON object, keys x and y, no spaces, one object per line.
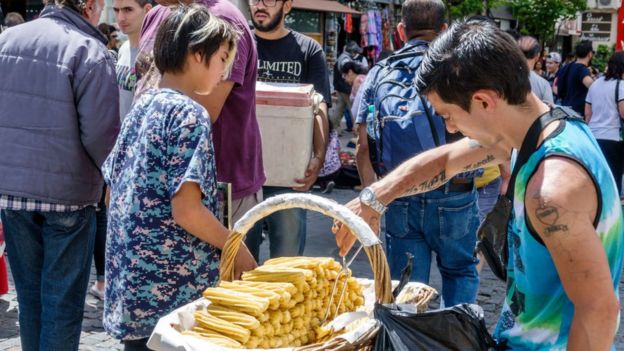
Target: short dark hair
{"x":473,"y":55}
{"x":583,"y":48}
{"x":351,"y":66}
{"x":615,"y":66}
{"x":191,"y":28}
{"x":530,"y":47}
{"x":423,"y":15}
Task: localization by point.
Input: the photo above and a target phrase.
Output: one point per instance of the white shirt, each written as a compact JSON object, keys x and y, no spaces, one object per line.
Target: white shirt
{"x":126,"y":77}
{"x":605,"y":120}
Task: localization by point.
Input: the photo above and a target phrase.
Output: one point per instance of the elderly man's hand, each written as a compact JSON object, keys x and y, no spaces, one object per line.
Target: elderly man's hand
{"x":344,"y":237}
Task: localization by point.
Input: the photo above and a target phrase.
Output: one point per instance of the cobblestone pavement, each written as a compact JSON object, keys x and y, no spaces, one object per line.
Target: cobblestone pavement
{"x":319,"y":243}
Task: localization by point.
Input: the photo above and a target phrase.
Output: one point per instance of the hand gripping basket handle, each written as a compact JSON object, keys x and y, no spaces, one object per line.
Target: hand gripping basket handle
{"x":370,"y":242}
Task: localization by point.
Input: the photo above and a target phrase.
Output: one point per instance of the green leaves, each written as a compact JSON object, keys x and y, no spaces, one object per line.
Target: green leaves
{"x":538,"y":17}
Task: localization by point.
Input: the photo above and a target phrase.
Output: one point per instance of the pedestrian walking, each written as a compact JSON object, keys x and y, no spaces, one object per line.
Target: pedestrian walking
{"x":531,"y":49}
{"x":59,"y":78}
{"x":574,"y":79}
{"x":352,"y":52}
{"x":604,"y":108}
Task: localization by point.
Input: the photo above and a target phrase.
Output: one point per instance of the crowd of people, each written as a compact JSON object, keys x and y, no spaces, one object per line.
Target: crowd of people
{"x":117,"y":155}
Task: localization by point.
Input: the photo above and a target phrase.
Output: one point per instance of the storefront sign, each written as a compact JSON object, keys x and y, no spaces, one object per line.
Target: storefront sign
{"x":596,"y":26}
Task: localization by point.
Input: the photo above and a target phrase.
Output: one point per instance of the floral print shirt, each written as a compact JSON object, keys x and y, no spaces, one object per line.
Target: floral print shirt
{"x":153,"y":265}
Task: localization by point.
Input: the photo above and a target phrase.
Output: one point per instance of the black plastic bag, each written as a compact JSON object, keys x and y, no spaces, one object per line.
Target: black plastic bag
{"x":460,"y":327}
{"x":492,"y":234}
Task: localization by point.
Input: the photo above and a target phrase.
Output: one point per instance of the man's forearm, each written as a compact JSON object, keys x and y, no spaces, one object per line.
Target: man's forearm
{"x":433,"y":168}
{"x":420,"y":174}
{"x":592,"y":329}
{"x":320,"y":137}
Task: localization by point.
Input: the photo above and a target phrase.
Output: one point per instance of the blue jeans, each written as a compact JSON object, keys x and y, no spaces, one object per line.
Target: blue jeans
{"x":286,"y":230}
{"x":487,"y":196}
{"x":443,"y":222}
{"x":50,"y":256}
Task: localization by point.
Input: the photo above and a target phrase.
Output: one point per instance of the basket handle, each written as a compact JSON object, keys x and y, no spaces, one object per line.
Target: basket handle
{"x":357,"y":226}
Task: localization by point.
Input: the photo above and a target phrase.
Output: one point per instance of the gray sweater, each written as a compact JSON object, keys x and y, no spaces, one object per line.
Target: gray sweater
{"x":59,"y":109}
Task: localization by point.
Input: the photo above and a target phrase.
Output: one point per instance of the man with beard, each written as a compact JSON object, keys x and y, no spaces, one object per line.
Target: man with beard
{"x":286,"y":56}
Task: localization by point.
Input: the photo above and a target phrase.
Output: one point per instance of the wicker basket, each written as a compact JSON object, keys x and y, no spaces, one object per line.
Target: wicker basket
{"x":371,"y":243}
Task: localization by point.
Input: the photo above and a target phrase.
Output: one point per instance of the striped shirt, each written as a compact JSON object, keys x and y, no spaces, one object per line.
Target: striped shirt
{"x":16,"y":203}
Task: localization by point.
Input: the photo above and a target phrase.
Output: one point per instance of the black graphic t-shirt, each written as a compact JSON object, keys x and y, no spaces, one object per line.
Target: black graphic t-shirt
{"x":294,"y":58}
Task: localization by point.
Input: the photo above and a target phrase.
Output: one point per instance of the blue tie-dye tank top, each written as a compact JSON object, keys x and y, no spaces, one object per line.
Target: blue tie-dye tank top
{"x":537,"y":313}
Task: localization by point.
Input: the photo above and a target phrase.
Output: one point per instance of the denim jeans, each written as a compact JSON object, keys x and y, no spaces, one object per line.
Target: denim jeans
{"x":50,"y":255}
{"x":487,"y":196}
{"x":286,"y":230}
{"x":442,"y":222}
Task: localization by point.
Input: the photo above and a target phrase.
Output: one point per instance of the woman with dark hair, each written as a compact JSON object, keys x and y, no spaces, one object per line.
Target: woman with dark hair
{"x":164,"y":239}
{"x":604,"y":108}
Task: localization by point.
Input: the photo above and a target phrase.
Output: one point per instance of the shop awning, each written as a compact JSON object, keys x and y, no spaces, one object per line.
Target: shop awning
{"x":323,"y":6}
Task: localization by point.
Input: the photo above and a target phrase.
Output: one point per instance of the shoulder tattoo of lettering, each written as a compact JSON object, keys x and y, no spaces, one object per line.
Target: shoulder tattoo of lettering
{"x":550,"y":217}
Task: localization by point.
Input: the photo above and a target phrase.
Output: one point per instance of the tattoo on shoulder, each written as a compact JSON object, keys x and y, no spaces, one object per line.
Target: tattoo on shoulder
{"x":483,"y":162}
{"x":429,"y":184}
{"x":550,"y":217}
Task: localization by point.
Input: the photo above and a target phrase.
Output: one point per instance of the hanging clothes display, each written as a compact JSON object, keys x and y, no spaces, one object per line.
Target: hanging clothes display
{"x":363,"y":30}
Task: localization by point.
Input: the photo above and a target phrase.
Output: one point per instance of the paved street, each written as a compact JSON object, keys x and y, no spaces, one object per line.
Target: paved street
{"x":320,"y":242}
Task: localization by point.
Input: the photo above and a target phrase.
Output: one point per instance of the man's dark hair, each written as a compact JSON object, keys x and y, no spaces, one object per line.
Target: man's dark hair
{"x":474,"y":55}
{"x":530,"y":47}
{"x":615,"y":66}
{"x":423,"y":15}
{"x":583,"y":48}
{"x":191,"y":29}
{"x":351,"y":66}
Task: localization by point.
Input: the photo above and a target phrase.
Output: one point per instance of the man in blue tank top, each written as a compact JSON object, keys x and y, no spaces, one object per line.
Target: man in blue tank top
{"x":565,"y":230}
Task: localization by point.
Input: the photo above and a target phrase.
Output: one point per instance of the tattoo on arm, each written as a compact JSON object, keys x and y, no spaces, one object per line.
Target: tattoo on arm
{"x":483,"y":162}
{"x":549,"y":216}
{"x":428,"y":184}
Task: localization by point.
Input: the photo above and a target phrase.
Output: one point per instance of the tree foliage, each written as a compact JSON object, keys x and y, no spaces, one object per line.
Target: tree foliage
{"x":539,"y":17}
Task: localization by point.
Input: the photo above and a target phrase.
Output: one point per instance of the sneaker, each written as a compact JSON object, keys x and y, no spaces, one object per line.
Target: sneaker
{"x":97,"y":292}
{"x":329,"y":187}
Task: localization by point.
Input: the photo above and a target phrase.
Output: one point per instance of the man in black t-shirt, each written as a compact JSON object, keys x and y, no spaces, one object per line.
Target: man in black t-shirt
{"x":286,"y":56}
{"x":574,"y":79}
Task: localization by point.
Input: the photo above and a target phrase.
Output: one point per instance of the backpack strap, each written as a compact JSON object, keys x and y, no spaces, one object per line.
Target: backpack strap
{"x":529,"y":144}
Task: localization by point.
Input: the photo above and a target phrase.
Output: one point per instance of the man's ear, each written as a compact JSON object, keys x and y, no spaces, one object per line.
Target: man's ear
{"x":287,"y":7}
{"x":198,"y":57}
{"x":90,"y":12}
{"x":485,"y":100}
{"x":401,"y":30}
{"x":444,"y":27}
{"x":147,"y":7}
